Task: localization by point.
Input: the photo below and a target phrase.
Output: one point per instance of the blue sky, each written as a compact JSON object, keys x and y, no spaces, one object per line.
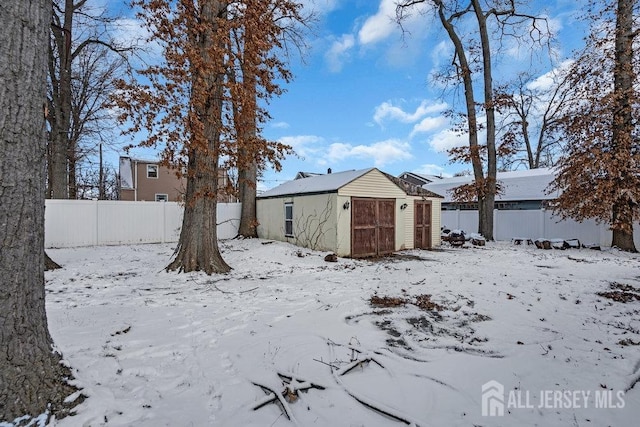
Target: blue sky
{"x":364,"y":96}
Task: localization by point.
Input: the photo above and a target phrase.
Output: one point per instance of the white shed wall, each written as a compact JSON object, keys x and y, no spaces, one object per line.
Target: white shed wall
{"x":314,"y":220}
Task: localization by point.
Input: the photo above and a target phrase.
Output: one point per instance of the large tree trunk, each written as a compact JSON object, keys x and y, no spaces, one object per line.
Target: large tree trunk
{"x":623,"y":123}
{"x":489,"y":188}
{"x":247,"y":178}
{"x":31,"y":376}
{"x":622,"y":224}
{"x":247,"y":167}
{"x":472,"y":120}
{"x":198,"y":245}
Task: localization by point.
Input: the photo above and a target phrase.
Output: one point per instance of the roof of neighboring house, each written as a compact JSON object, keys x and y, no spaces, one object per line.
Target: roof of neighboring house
{"x":133,"y":159}
{"x":412,"y":189}
{"x":422,"y":177}
{"x":328,"y":183}
{"x":517,"y":185}
{"x":303,"y":174}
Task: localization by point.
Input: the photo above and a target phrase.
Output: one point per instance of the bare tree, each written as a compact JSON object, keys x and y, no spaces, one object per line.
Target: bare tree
{"x":84,"y":61}
{"x":32,"y":379}
{"x":530,"y":117}
{"x":450,"y":15}
{"x":260,"y":52}
{"x":598,"y":176}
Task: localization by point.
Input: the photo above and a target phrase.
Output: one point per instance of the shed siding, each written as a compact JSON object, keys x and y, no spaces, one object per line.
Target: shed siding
{"x":314,"y":220}
{"x":372,"y":184}
{"x":344,"y":227}
{"x":436,"y":221}
{"x":436,"y":216}
{"x":409,"y":214}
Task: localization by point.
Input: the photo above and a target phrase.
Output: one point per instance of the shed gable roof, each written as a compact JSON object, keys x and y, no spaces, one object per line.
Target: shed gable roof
{"x":328,"y":183}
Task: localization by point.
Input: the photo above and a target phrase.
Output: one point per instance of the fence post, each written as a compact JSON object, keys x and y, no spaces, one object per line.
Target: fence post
{"x":97,"y":219}
{"x":496,"y":214}
{"x":164,"y":222}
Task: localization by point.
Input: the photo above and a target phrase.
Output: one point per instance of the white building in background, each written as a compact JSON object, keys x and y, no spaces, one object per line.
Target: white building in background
{"x":521,"y":190}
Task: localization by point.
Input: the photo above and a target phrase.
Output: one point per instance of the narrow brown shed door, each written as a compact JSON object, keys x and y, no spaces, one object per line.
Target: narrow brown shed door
{"x":372,"y":227}
{"x":386,"y":226}
{"x":422,"y":237}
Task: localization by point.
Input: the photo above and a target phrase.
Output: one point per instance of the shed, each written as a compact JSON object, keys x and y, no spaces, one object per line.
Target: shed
{"x":358,"y":213}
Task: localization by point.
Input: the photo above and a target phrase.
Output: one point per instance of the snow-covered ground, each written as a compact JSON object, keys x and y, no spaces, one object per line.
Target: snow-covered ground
{"x":151,"y":348}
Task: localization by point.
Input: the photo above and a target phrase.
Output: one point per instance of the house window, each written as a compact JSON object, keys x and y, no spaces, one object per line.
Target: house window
{"x":152,"y":171}
{"x":162,"y":197}
{"x":288,"y":219}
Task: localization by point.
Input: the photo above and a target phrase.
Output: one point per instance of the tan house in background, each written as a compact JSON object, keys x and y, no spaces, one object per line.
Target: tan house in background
{"x":147,"y":180}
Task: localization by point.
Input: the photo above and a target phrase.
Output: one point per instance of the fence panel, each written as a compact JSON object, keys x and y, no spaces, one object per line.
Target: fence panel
{"x":70,"y":223}
{"x":122,"y":222}
{"x":535,"y":224}
{"x":460,"y":220}
{"x":588,"y":231}
{"x":520,"y":223}
{"x":228,"y":220}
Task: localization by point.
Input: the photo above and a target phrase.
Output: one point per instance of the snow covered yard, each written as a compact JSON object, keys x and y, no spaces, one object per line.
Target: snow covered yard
{"x":152,"y":348}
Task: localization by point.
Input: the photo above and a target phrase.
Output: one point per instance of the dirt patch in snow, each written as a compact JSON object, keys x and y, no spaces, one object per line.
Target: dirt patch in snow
{"x":621,"y":292}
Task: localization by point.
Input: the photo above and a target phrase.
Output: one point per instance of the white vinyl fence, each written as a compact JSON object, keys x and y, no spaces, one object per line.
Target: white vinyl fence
{"x":534,"y":224}
{"x":70,"y":223}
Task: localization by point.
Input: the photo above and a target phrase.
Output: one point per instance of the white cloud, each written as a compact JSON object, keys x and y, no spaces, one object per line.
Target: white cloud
{"x":339,"y":52}
{"x":388,"y":110}
{"x":382,"y":153}
{"x":133,"y":32}
{"x":380,"y":25}
{"x":303,"y":145}
{"x":429,"y":124}
{"x":441,"y":53}
{"x":548,"y":80}
{"x":280,"y":125}
{"x":447,"y":139}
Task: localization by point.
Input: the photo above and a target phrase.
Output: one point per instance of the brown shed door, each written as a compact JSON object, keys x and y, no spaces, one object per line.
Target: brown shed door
{"x":373,"y":230}
{"x":422,"y":225}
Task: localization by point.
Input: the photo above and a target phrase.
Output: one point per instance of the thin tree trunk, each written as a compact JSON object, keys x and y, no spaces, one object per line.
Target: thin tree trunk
{"x":60,"y":128}
{"x":465,"y":72}
{"x":102,"y":191}
{"x":247,"y":168}
{"x":31,"y":376}
{"x":73,"y":179}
